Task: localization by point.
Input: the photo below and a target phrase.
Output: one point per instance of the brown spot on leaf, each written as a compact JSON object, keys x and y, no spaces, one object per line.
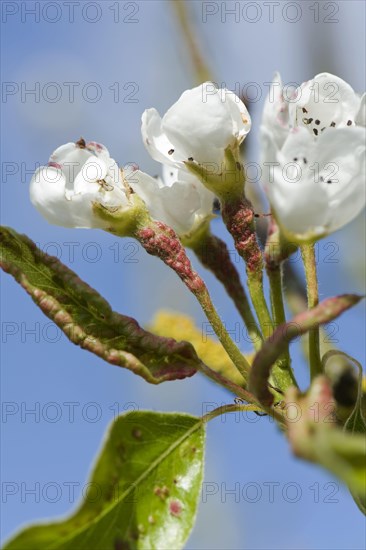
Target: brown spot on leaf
{"x":120,"y":544}
{"x":137,"y":433}
{"x":161,"y":492}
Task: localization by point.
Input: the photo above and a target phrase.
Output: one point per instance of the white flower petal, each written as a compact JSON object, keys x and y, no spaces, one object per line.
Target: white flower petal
{"x":319,"y":185}
{"x":198,"y":124}
{"x":342,"y":154}
{"x":324,"y":102}
{"x":240,"y":117}
{"x":275,"y":117}
{"x":361,"y":113}
{"x":182,"y":205}
{"x":92,"y":171}
{"x":155,"y":140}
{"x":47,"y":194}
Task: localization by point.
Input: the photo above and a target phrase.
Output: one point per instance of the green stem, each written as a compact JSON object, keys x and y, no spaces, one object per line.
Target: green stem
{"x":278,"y":309}
{"x":220,"y":379}
{"x":214,"y":255}
{"x":224,"y":409}
{"x":202,"y":72}
{"x":308,"y":256}
{"x":238,"y":216}
{"x":255,"y":286}
{"x":236,"y":407}
{"x":230,"y":347}
{"x":160,"y":240}
{"x":276,"y":251}
{"x":283,"y":376}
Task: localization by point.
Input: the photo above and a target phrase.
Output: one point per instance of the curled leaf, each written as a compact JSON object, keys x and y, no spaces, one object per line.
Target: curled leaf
{"x":88,"y":320}
{"x":274,"y":346}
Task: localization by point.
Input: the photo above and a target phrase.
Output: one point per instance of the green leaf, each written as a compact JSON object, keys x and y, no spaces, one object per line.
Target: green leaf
{"x":276,"y":344}
{"x":315,"y":436}
{"x":87,"y":319}
{"x":144,"y":489}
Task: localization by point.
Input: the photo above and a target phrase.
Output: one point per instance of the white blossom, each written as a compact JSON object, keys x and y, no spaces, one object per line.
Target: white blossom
{"x":313,"y":155}
{"x":177,"y":199}
{"x":77,"y":177}
{"x":199,"y":126}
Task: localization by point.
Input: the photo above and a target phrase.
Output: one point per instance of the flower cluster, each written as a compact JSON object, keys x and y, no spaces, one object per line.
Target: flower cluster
{"x":313,"y":153}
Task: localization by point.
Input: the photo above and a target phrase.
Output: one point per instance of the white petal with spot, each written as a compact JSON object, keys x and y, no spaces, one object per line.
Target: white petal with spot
{"x":315,"y":177}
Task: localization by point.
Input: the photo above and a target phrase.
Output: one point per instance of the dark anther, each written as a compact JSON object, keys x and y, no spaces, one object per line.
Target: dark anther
{"x":315,"y":131}
{"x":304,"y":110}
{"x":349,"y":123}
{"x":190,"y":159}
{"x":317,"y":121}
{"x":171,"y":151}
{"x":81,"y":143}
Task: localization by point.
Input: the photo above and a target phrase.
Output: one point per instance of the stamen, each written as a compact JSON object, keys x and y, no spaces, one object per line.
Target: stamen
{"x":317,"y":121}
{"x":315,"y":131}
{"x":81,"y":143}
{"x":171,"y":151}
{"x":106,"y":186}
{"x":349,"y":123}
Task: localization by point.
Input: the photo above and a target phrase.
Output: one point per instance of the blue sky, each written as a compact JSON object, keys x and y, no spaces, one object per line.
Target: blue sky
{"x":131,"y":58}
